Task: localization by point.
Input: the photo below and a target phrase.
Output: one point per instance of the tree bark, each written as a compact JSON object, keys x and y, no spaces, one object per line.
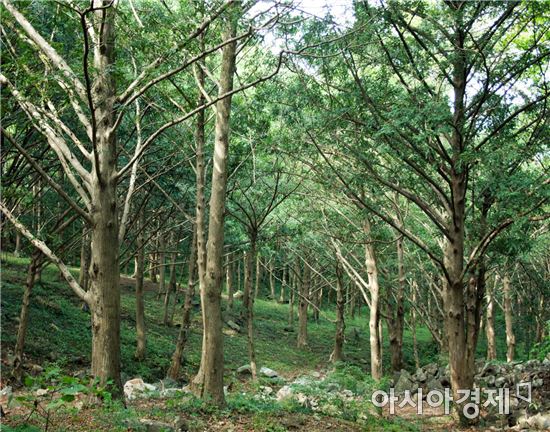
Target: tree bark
{"x":509,"y":320}
{"x":250,"y":259}
{"x":283,"y":284}
{"x":304,"y":287}
{"x":272,"y":279}
{"x":183,"y":335}
{"x":17,"y":249}
{"x":36,"y":261}
{"x":413,"y":325}
{"x":337,"y":353}
{"x":490,"y":326}
{"x":140,"y":304}
{"x":229,"y":280}
{"x":258,"y":275}
{"x":162,"y":267}
{"x":210,"y":385}
{"x":396,"y":322}
{"x":104,"y":274}
{"x":172,"y":286}
{"x":84,"y":275}
{"x":291,"y":301}
{"x":153,"y":269}
{"x":239,"y":285}
{"x":374,"y":312}
{"x":247,"y":286}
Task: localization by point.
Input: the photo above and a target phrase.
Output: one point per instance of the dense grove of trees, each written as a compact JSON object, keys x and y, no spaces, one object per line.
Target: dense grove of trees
{"x":400,"y":162}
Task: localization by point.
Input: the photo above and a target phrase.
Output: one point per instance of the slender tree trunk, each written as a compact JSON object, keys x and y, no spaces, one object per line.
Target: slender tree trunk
{"x":153,"y":269}
{"x":291,"y":302}
{"x":374,"y":312}
{"x":104,"y":274}
{"x":229,"y":280}
{"x":36,"y":261}
{"x":183,"y":335}
{"x":162,"y":267}
{"x":413,"y":324}
{"x":210,"y":385}
{"x":509,"y":320}
{"x":272,"y":279}
{"x":490,"y":326}
{"x":200,"y":215}
{"x":246,"y":286}
{"x":396,"y":323}
{"x":172,"y":286}
{"x":283,"y":283}
{"x":135,"y":267}
{"x":258,"y":275}
{"x":337,"y":353}
{"x":304,"y":287}
{"x":84,"y":275}
{"x":140,"y":303}
{"x":250,"y":259}
{"x":17,"y":249}
{"x":239,"y":275}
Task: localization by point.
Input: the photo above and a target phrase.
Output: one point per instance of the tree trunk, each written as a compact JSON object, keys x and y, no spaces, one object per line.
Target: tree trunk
{"x":291,"y":301}
{"x":210,"y":385}
{"x":250,"y":259}
{"x":272,"y":279}
{"x":17,"y":249}
{"x":490,"y":326}
{"x":396,"y":323}
{"x":36,"y":261}
{"x":258,"y":275}
{"x":374,"y":312}
{"x":172,"y":286}
{"x":183,"y":335}
{"x":153,"y":269}
{"x":283,"y":284}
{"x":238,"y":273}
{"x":337,"y":353}
{"x":84,"y":275}
{"x":229,"y":280}
{"x":303,"y":305}
{"x":413,"y":325}
{"x":140,"y":304}
{"x":508,"y":318}
{"x":246,"y":286}
{"x":162,"y":267}
{"x":104,"y":274}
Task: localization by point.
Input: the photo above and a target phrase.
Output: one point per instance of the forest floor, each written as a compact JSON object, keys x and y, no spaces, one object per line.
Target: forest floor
{"x":59,"y":343}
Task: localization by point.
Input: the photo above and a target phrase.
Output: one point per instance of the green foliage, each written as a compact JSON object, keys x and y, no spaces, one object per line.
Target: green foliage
{"x":52,"y":393}
{"x":541,"y":350}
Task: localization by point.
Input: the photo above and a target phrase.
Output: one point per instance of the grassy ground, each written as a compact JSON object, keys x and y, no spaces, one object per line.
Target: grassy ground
{"x":59,"y":330}
{"x":59,"y":334}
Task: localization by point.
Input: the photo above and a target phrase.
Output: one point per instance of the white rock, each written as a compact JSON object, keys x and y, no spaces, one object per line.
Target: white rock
{"x":302,"y":399}
{"x":270,"y":373}
{"x":170,"y":392}
{"x":5,"y":395}
{"x":284,"y":393}
{"x":266,"y":390}
{"x":245,"y":369}
{"x":136,"y":388}
{"x":41,"y":392}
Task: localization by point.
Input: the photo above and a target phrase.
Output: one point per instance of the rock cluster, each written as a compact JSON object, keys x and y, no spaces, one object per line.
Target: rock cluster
{"x":515,"y":377}
{"x":138,"y":389}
